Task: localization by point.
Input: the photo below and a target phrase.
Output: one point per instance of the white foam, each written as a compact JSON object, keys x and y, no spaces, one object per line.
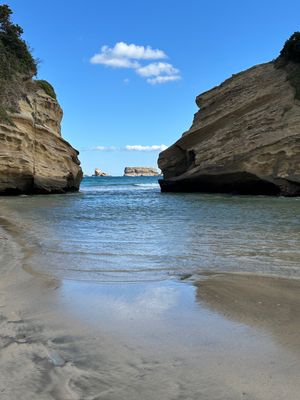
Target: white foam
{"x":147,"y":185}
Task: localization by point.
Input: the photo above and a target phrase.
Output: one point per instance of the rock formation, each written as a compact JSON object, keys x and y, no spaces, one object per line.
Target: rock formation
{"x":34,"y":158}
{"x":99,"y":172}
{"x":140,"y":171}
{"x":244,"y":139}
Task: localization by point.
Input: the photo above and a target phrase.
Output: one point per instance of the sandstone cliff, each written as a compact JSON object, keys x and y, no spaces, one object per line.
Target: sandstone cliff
{"x":140,"y":171}
{"x":244,"y":139}
{"x":34,"y":158}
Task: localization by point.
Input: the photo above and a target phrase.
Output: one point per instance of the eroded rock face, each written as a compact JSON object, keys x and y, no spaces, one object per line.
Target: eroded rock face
{"x":34,"y":158}
{"x":140,"y":171}
{"x":244,"y":139}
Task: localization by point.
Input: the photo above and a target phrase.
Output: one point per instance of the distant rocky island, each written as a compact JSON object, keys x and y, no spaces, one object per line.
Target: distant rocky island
{"x":140,"y":171}
{"x":34,"y":158}
{"x":245,"y":138}
{"x":99,"y":172}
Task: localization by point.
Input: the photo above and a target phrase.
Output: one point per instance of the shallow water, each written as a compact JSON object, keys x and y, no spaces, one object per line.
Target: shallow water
{"x":124,"y":229}
{"x":214,"y":337}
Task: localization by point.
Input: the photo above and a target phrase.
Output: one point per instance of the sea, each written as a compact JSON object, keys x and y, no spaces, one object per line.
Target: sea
{"x":123,"y":229}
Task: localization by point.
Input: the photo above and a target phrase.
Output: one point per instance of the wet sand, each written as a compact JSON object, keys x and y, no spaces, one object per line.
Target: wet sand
{"x":216,"y":336}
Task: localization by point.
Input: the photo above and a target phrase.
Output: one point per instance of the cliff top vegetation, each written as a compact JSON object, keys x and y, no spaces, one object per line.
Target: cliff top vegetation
{"x":17,"y":65}
{"x":289,"y":59}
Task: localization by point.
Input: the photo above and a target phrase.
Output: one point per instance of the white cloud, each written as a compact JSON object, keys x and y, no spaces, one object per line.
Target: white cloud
{"x":159,"y":72}
{"x":123,"y":55}
{"x":135,"y":147}
{"x":163,"y":79}
{"x":114,"y":62}
{"x":139,"y":147}
{"x":105,"y":148}
{"x":125,"y":50}
{"x":156,"y":69}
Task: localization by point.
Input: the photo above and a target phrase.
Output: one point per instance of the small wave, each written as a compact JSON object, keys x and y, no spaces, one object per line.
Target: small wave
{"x":94,"y":189}
{"x":147,"y":185}
{"x":120,"y":188}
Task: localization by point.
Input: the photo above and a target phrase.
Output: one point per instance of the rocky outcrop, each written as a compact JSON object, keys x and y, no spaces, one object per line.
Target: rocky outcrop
{"x":99,"y":172}
{"x":244,"y":139}
{"x":34,"y":158}
{"x":140,"y":171}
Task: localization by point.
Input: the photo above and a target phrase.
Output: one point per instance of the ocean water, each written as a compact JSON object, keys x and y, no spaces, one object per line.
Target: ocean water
{"x":122,"y":229}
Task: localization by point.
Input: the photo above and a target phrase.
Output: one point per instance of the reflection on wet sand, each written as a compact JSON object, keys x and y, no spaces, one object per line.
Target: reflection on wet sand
{"x":149,"y":341}
{"x":269,"y":303}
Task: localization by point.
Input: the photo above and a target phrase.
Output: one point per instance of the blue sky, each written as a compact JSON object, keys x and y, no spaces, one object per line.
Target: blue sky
{"x":116,"y":99}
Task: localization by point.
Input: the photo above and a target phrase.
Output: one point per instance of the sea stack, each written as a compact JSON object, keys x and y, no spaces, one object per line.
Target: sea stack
{"x":99,"y":172}
{"x":140,"y":171}
{"x":34,"y":158}
{"x":245,"y":138}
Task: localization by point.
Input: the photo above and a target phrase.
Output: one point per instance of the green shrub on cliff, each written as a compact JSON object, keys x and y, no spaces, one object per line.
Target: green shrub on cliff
{"x":13,"y":47}
{"x":47,"y":88}
{"x":291,"y":48}
{"x":289,"y":59}
{"x":16,"y":63}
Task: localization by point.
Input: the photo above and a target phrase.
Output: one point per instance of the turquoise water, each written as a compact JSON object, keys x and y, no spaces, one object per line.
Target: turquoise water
{"x":125,"y":229}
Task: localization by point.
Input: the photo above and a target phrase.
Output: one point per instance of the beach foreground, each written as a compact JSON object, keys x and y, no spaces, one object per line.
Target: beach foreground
{"x":221,"y":336}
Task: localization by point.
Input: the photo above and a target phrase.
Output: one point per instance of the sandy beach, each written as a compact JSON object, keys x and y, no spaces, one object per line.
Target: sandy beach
{"x":213,"y":336}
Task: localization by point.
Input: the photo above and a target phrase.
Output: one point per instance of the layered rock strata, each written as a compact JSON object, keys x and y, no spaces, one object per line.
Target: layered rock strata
{"x":140,"y":171}
{"x":244,"y":139}
{"x":34,"y":158}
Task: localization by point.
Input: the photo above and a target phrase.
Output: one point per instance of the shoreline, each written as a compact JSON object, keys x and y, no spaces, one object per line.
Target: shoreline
{"x":221,"y":337}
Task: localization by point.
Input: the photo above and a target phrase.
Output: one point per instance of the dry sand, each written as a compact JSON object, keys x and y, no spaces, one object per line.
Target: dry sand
{"x":228,"y":337}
